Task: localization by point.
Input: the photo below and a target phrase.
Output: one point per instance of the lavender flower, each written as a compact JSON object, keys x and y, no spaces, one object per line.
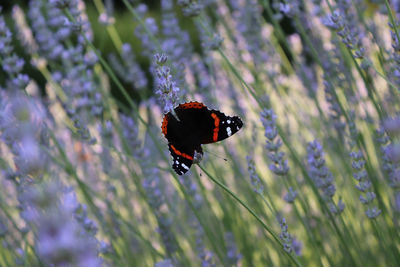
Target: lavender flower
{"x":175,"y":44}
{"x":321,"y":176}
{"x":49,"y":38}
{"x":80,"y":85}
{"x":152,"y":186}
{"x":130,"y":133}
{"x":342,"y":22}
{"x":203,"y":77}
{"x":149,"y":47}
{"x":59,"y":243}
{"x":205,"y":255}
{"x":258,"y":186}
{"x":5,"y":38}
{"x":129,"y":70}
{"x":82,"y":132}
{"x":336,"y":112}
{"x":168,"y":92}
{"x":392,"y":126}
{"x":191,"y":189}
{"x":21,"y":123}
{"x":391,"y":168}
{"x":80,"y":212}
{"x":190,"y":8}
{"x":297,"y":246}
{"x":285,"y":236}
{"x":64,"y":235}
{"x":397,"y":202}
{"x":279,"y":166}
{"x":20,"y":257}
{"x":81,"y":23}
{"x":11,"y":63}
{"x":76,"y":71}
{"x":333,"y":67}
{"x":291,"y":195}
{"x":232,"y":256}
{"x":395,"y":58}
{"x":364,"y":184}
{"x":248,"y":16}
{"x":3,"y":228}
{"x":164,"y":263}
{"x":63,"y":3}
{"x":290,"y":8}
{"x":334,"y":21}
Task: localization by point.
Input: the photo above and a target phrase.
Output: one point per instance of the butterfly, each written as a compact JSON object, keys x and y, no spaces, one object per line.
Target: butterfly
{"x":197,"y":125}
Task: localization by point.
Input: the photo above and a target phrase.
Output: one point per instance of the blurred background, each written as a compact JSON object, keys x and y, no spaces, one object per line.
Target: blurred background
{"x":312,"y":179}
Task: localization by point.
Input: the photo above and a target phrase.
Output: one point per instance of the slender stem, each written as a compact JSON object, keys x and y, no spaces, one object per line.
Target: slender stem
{"x":269,"y":230}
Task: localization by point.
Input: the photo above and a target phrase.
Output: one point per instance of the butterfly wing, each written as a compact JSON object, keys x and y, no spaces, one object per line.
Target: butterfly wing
{"x":223,"y":126}
{"x":184,"y":135}
{"x":196,"y":125}
{"x":181,"y":161}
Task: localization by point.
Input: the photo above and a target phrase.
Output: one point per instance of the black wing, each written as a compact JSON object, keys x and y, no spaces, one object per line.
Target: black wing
{"x":224,"y":126}
{"x":181,"y":161}
{"x":196,"y":125}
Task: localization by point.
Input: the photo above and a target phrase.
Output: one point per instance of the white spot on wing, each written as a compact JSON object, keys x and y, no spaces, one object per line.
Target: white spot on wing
{"x":184,"y":166}
{"x":228,"y":121}
{"x":228,"y":131}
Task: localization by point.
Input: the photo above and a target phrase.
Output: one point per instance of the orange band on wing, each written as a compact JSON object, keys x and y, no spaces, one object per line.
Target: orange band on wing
{"x":183,"y":155}
{"x":164,"y":125}
{"x":216,"y":124}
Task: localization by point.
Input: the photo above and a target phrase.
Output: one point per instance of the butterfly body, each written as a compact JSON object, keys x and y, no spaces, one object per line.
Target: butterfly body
{"x":196,"y":125}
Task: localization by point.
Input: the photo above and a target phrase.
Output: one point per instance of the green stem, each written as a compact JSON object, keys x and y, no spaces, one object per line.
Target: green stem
{"x":227,"y":190}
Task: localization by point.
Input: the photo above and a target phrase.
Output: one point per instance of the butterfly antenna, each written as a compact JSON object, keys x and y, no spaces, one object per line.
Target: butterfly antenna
{"x":218,"y":156}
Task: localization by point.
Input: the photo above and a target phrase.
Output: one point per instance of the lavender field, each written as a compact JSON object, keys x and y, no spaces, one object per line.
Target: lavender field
{"x":311,"y":179}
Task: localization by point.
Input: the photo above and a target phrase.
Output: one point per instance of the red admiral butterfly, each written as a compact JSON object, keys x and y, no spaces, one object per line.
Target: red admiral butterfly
{"x":197,"y":125}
